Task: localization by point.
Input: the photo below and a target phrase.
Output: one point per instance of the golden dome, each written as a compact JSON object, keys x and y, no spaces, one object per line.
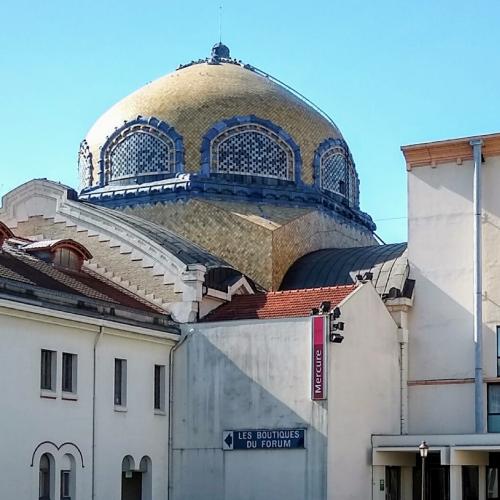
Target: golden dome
{"x":196,"y":97}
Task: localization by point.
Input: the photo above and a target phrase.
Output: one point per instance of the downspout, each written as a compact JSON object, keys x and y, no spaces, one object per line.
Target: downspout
{"x":96,"y":341}
{"x":478,"y":292}
{"x":403,"y":343}
{"x":170,"y":409}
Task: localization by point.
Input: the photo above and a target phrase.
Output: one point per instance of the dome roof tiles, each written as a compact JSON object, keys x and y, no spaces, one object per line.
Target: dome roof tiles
{"x":196,"y":97}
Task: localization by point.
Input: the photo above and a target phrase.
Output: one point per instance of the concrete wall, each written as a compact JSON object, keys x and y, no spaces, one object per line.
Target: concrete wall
{"x":363,"y":395}
{"x":31,"y":425}
{"x":255,"y":374}
{"x":441,"y":321}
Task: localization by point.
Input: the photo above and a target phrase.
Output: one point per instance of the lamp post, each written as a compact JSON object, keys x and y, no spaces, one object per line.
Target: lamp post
{"x":423,"y":449}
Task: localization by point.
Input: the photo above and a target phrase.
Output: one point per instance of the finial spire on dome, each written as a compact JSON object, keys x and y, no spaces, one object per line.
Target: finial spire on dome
{"x":220,"y":23}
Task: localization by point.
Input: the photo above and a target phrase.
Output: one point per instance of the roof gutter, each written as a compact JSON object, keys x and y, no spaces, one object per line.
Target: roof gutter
{"x":478,"y":291}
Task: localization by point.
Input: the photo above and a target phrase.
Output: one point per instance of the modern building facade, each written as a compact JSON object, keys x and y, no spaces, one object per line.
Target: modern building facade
{"x":453,"y":339}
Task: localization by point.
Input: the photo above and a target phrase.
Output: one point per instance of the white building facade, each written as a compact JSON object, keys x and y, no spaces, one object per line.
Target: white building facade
{"x":249,"y":375}
{"x":460,"y":428}
{"x":85,"y":392}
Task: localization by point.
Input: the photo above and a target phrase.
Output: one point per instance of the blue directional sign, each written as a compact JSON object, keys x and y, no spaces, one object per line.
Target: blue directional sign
{"x":264,"y":439}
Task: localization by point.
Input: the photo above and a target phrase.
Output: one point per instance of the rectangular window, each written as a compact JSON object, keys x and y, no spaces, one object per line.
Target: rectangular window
{"x":69,"y":365}
{"x":65,"y":485}
{"x":159,"y":388}
{"x":48,"y":370}
{"x":494,"y":408}
{"x":498,"y":351}
{"x":120,"y":382}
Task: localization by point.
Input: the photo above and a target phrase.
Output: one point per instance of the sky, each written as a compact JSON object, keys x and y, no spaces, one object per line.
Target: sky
{"x":389,"y":73}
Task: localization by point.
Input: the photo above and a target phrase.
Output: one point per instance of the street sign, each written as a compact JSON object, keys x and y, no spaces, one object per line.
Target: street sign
{"x":264,"y":439}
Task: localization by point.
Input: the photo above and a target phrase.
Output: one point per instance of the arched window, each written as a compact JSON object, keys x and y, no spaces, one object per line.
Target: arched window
{"x":85,"y":165}
{"x":335,"y":171}
{"x":140,"y":151}
{"x":147,"y":484}
{"x":144,"y":150}
{"x":250,"y":146}
{"x":46,"y":477}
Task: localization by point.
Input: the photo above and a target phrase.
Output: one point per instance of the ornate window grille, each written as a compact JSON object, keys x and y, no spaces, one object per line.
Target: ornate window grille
{"x":334,"y":171}
{"x":85,"y":168}
{"x":252,"y":149}
{"x":140,"y":150}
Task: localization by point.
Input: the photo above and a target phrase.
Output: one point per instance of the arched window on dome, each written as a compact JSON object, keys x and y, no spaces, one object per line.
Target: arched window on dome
{"x":142,"y":151}
{"x":335,"y":171}
{"x":353,"y":184}
{"x":252,"y":147}
{"x":85,"y":168}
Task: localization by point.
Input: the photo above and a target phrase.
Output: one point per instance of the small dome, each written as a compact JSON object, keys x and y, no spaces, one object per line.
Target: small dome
{"x":220,"y":51}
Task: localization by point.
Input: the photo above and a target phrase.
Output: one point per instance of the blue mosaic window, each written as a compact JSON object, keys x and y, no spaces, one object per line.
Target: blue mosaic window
{"x":84,"y":165}
{"x":252,"y":149}
{"x":140,"y":150}
{"x":334,"y":171}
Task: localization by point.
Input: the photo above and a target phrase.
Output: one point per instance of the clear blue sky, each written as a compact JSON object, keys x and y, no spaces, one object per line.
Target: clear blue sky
{"x":388,"y":72}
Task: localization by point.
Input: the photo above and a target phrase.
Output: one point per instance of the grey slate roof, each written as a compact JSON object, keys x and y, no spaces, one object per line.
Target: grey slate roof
{"x":185,"y":250}
{"x":339,"y":266}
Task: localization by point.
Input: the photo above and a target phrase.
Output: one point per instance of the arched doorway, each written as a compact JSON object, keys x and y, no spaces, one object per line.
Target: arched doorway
{"x":131,"y":480}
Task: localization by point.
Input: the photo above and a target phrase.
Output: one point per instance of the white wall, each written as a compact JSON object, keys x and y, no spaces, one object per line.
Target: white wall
{"x":441,"y":321}
{"x":256,"y":374}
{"x":364,"y":393}
{"x":246,"y":375}
{"x":27,"y":419}
{"x":138,"y":431}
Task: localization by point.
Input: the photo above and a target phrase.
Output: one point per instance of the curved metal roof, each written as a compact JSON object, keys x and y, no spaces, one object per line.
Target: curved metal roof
{"x":340,"y":266}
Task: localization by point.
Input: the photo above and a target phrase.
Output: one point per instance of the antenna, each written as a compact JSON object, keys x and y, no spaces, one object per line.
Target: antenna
{"x":220,"y":23}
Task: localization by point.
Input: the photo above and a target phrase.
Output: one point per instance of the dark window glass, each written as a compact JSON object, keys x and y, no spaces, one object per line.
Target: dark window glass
{"x":498,"y":351}
{"x":67,"y":372}
{"x":494,"y":408}
{"x":392,"y":483}
{"x":44,"y":478}
{"x":120,"y":382}
{"x":158,"y":386}
{"x":46,"y":381}
{"x":65,"y":485}
{"x":470,"y":482}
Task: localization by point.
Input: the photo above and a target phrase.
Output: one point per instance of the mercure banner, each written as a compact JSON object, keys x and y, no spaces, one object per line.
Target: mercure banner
{"x":318,"y":361}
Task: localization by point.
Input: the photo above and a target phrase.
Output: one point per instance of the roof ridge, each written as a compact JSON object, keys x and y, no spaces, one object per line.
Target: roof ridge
{"x":319,"y":288}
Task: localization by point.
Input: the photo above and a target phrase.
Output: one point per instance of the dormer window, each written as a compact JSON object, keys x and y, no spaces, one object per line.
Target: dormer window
{"x":67,"y":254}
{"x":67,"y":257}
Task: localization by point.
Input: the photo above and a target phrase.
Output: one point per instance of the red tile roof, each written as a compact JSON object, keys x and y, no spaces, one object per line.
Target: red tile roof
{"x":286,"y":304}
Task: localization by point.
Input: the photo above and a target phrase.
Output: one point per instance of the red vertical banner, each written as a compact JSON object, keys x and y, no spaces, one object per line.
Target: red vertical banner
{"x":318,"y":361}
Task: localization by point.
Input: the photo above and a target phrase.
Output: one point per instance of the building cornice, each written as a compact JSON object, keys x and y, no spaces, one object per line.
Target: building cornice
{"x":450,"y":151}
{"x":71,"y":320}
